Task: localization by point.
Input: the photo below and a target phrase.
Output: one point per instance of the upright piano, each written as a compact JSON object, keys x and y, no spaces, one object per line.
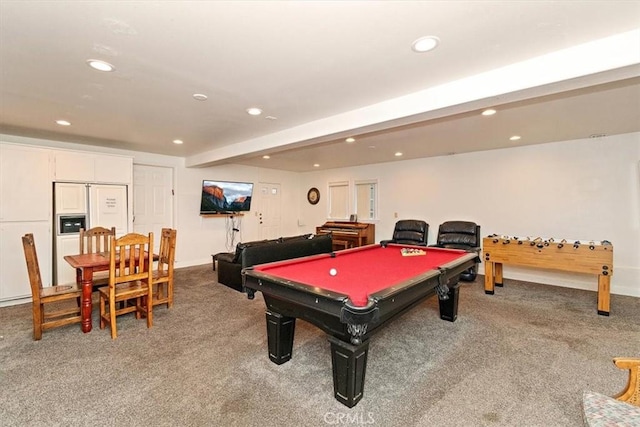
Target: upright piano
{"x":348,"y":234}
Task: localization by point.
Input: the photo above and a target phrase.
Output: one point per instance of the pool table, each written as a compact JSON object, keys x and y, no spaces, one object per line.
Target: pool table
{"x":350,"y":294}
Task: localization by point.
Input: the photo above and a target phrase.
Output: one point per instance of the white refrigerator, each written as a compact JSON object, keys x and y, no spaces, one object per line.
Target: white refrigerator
{"x":79,"y":205}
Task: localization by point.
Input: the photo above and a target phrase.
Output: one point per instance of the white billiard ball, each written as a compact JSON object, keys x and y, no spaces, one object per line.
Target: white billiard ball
{"x":333,"y":272}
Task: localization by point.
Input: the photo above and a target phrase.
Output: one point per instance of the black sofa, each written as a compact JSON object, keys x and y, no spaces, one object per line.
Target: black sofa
{"x":248,"y":254}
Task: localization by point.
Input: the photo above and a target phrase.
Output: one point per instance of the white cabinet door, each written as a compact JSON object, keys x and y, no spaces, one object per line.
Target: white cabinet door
{"x":72,"y":166}
{"x":14,"y":279}
{"x":90,"y":167}
{"x":25,"y":183}
{"x":114,"y":169}
{"x":68,"y":244}
{"x":70,"y":198}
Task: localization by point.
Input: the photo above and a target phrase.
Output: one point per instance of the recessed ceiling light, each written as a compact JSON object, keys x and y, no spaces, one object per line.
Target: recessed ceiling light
{"x":178,"y":141}
{"x":350,"y":140}
{"x":425,"y":44}
{"x":266,"y":156}
{"x":372,"y":147}
{"x":63,"y":123}
{"x":398,"y":154}
{"x":489,"y":112}
{"x":96,"y":64}
{"x":200,"y":97}
{"x":316,"y":165}
{"x":254,"y":111}
{"x":514,"y":138}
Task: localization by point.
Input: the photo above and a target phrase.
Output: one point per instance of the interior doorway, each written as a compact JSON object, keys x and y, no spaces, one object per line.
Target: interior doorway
{"x":152,"y":200}
{"x":269,"y":210}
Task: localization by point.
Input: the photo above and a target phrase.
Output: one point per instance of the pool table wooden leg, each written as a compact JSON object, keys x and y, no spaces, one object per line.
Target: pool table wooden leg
{"x":280,"y":331}
{"x":349,"y":367}
{"x":449,"y":307}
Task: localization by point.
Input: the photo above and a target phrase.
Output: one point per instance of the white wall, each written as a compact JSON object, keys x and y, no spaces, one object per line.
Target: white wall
{"x":582,"y":190}
{"x":585,"y":189}
{"x":199,"y":237}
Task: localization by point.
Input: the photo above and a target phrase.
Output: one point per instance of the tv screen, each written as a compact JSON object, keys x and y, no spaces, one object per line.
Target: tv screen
{"x":225,"y":197}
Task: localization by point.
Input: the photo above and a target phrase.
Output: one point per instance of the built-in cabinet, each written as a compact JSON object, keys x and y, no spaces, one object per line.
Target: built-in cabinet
{"x":14,"y":280}
{"x":25,"y":185}
{"x":89,"y":167}
{"x":27,"y":174}
{"x":25,"y":207}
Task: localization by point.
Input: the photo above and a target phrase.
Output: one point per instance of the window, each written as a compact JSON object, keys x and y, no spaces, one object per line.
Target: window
{"x":366,"y":199}
{"x":339,"y":200}
{"x":365,"y":205}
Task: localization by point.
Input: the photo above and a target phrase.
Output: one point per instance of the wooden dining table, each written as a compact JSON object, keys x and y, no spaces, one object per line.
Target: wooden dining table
{"x":86,"y":265}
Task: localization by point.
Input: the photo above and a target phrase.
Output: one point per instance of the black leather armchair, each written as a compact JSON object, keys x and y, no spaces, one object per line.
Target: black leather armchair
{"x":460,"y":235}
{"x":409,"y":232}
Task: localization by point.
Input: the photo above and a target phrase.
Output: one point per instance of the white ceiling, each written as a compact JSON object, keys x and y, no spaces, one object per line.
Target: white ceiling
{"x":554,"y":70}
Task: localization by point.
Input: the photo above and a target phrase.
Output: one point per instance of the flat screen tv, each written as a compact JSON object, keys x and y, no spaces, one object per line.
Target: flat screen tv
{"x":225,"y":197}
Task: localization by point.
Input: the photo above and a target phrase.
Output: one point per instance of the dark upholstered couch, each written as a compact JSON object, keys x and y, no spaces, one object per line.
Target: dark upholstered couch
{"x":248,"y":254}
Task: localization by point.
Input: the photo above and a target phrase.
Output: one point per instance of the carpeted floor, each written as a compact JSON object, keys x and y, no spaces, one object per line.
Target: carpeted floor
{"x":521,"y":357}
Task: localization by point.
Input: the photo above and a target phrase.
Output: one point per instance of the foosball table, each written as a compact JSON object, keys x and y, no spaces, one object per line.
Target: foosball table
{"x":591,"y":257}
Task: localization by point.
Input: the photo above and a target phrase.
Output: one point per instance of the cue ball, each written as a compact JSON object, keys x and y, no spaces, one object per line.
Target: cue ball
{"x":333,"y":272}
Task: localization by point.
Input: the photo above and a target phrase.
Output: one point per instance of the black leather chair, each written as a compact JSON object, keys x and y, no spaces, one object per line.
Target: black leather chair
{"x":460,"y":235}
{"x":409,"y":232}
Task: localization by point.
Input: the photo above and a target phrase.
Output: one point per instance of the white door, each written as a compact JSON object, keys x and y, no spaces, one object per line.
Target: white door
{"x":152,"y":200}
{"x":269,"y":210}
{"x":108,"y":207}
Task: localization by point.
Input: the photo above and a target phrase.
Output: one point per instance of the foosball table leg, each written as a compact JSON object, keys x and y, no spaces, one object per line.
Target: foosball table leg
{"x":498,"y":278}
{"x":488,"y":278}
{"x":604,"y":294}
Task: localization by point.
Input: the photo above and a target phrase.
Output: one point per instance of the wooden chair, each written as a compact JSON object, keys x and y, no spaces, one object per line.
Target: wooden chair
{"x":631,"y":393}
{"x":163,"y":273}
{"x":623,"y":409}
{"x":95,"y":240}
{"x":43,"y":320}
{"x":130,"y":278}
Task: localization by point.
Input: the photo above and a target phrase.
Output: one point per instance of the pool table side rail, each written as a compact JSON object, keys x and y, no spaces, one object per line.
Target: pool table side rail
{"x":302,"y":259}
{"x":332,"y":302}
{"x":450,"y":269}
{"x":336,"y":304}
{"x":257,"y":280}
{"x":322,"y":309}
{"x":326,"y":310}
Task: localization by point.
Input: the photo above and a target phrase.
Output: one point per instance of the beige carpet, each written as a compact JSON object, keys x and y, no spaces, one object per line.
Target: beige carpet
{"x":521,"y":357}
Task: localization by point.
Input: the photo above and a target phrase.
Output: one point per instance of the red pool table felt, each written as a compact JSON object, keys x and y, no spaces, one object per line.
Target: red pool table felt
{"x":362,"y":271}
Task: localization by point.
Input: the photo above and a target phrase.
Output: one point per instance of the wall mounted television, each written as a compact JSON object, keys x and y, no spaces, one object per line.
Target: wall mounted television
{"x":221,"y":197}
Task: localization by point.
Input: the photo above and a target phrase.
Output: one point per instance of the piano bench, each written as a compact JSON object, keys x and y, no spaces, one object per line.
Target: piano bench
{"x":341,"y":244}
